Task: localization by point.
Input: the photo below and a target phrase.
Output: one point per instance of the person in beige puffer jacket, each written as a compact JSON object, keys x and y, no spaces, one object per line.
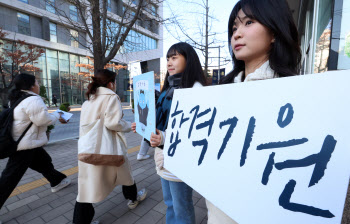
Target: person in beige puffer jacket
{"x":30,"y":153}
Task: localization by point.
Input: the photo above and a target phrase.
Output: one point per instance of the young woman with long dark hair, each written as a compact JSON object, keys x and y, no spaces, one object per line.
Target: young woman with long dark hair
{"x":263,"y":42}
{"x":30,"y":113}
{"x":184,"y":71}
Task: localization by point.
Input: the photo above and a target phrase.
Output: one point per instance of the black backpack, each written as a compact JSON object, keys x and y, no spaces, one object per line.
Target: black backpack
{"x":8,"y":146}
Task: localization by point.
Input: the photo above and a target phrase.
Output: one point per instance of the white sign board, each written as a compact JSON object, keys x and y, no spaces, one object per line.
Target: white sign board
{"x":273,"y":151}
{"x":135,"y":69}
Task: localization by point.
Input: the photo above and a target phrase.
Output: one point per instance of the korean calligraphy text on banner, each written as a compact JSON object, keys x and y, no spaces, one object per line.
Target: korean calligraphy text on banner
{"x":278,"y":149}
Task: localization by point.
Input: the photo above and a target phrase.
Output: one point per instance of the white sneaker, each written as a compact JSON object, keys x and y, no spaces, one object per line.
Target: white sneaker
{"x":142,"y":157}
{"x":64,"y":183}
{"x":141,"y":195}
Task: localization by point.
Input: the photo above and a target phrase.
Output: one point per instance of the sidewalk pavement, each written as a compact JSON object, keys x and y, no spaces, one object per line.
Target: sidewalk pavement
{"x":32,"y":202}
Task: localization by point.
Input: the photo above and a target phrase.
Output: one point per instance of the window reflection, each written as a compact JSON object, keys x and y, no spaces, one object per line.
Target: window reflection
{"x":52,"y":75}
{"x":323,"y":36}
{"x":50,"y":6}
{"x":344,"y":45}
{"x":23,"y":24}
{"x":76,"y":87}
{"x":66,"y":89}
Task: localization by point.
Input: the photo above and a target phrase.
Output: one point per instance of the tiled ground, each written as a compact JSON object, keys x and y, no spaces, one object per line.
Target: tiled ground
{"x":39,"y":205}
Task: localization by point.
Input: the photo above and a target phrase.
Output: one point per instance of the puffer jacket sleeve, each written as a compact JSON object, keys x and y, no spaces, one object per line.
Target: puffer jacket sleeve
{"x":38,"y":114}
{"x":114,"y":116}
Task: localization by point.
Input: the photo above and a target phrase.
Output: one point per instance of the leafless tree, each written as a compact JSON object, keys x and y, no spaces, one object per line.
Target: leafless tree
{"x":204,"y":38}
{"x":105,"y":33}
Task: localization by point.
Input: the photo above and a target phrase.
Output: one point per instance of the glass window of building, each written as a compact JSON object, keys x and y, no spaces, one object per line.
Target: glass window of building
{"x":305,"y":30}
{"x":84,"y":78}
{"x":323,"y":36}
{"x":53,"y":32}
{"x":73,"y":13}
{"x":74,"y":35}
{"x":25,"y":1}
{"x":41,"y":75}
{"x":344,"y":43}
{"x":76,"y":82}
{"x":66,"y":87}
{"x":144,"y":42}
{"x":23,"y":24}
{"x":6,"y":46}
{"x":109,"y":6}
{"x":53,"y":75}
{"x":149,"y":43}
{"x":153,"y":10}
{"x":50,"y":6}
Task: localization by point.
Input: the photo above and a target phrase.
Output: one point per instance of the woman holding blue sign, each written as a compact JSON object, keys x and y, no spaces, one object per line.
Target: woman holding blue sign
{"x":264,"y":44}
{"x":184,"y":71}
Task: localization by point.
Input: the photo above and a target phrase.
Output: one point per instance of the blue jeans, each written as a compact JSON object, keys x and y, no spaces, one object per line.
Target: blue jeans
{"x":178,"y":198}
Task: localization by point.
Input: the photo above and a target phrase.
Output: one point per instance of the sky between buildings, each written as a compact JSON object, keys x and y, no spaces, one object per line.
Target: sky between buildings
{"x":188,"y":15}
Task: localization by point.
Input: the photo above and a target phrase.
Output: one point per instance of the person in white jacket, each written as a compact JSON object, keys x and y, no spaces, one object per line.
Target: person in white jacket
{"x":30,"y":152}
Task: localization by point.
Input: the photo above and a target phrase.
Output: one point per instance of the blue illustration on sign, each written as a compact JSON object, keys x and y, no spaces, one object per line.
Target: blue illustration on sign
{"x":144,"y":104}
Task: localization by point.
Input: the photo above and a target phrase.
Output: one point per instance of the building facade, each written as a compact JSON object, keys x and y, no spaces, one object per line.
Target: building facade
{"x":324,"y":33}
{"x":37,"y":22}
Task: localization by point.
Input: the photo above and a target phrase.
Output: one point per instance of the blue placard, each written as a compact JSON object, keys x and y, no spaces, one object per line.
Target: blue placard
{"x":144,"y":104}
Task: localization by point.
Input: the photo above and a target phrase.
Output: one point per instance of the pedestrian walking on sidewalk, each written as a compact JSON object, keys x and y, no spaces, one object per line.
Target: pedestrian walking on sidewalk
{"x":96,"y":182}
{"x":264,"y":44}
{"x":54,"y":100}
{"x":30,"y":153}
{"x":184,"y":71}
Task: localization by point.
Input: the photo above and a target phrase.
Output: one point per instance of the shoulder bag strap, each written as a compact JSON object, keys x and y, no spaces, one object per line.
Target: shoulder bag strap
{"x":23,"y":134}
{"x":102,"y":118}
{"x":13,"y":107}
{"x":19,"y":101}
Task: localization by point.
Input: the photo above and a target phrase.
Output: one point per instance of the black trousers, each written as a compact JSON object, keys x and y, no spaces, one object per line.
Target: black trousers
{"x":84,"y":212}
{"x":37,"y":159}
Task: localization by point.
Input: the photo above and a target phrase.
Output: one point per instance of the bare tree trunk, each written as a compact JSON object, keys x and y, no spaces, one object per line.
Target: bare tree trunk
{"x":96,"y":41}
{"x":98,"y":63}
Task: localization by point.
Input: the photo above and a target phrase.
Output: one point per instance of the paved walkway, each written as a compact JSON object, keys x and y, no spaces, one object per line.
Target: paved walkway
{"x":33,"y":202}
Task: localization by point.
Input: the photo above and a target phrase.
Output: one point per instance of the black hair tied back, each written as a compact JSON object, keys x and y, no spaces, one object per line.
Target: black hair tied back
{"x":101,"y":79}
{"x":23,"y":81}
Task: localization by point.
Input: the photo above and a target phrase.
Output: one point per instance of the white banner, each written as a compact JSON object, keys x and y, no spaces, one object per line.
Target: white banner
{"x":274,"y":151}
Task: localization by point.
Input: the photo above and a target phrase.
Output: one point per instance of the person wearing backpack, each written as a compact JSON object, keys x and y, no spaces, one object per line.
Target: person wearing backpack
{"x":30,"y":112}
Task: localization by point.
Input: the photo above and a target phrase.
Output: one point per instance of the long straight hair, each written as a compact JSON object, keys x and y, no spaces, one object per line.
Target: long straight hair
{"x":193,"y":70}
{"x":275,"y":15}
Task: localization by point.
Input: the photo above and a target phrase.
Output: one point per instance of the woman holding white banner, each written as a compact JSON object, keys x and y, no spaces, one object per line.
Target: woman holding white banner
{"x":103,"y":162}
{"x":264,"y":44}
{"x":184,"y":71}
